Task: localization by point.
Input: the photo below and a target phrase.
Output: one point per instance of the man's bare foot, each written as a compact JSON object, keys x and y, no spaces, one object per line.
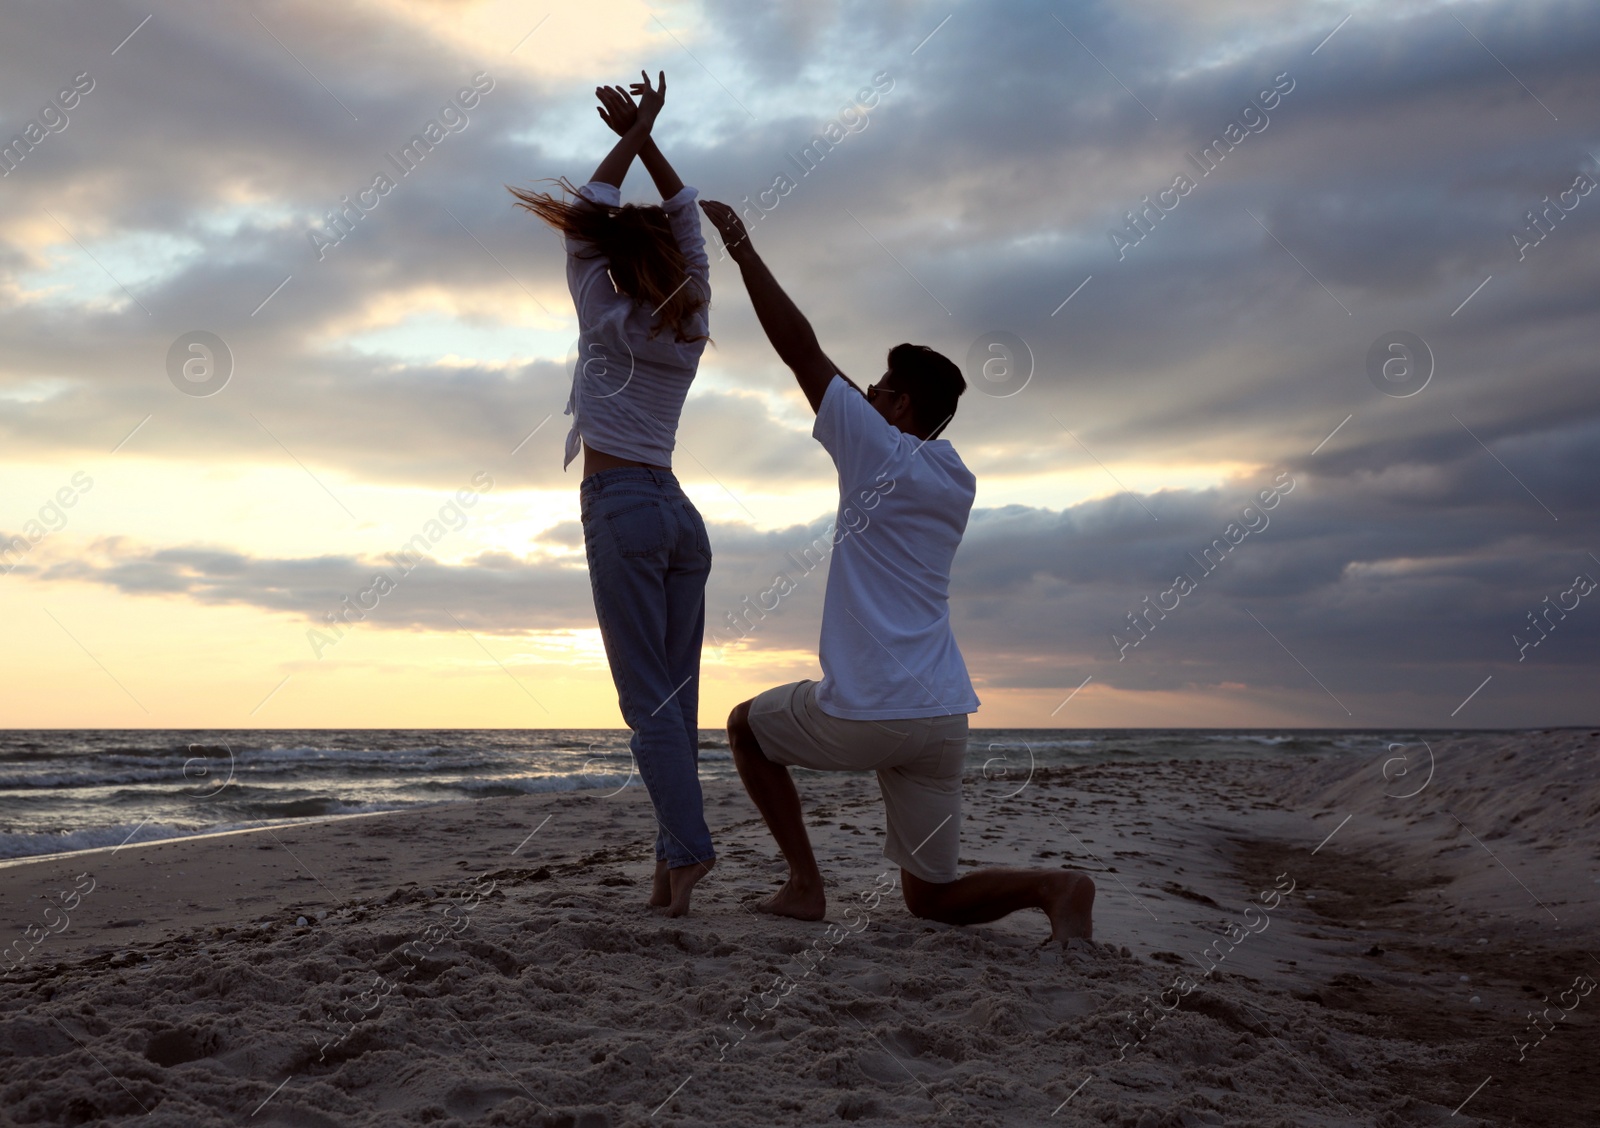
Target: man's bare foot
{"x":680,"y":883}
{"x":797,"y":901}
{"x":660,"y":887}
{"x":1071,"y":907}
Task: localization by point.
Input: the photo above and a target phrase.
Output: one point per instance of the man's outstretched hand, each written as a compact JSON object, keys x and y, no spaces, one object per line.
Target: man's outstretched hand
{"x":786,"y":327}
{"x":728,"y":225}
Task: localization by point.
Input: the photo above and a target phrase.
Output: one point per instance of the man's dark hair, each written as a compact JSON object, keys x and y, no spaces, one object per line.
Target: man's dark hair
{"x":933,"y":382}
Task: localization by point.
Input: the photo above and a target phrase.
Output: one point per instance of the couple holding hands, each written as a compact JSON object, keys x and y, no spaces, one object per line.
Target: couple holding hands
{"x":894,"y":694}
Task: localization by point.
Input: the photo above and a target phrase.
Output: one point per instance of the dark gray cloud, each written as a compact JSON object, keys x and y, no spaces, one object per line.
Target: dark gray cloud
{"x":984,"y":189}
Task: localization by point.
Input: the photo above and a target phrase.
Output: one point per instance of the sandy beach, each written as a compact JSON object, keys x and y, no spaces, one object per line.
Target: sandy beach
{"x":1395,"y":939}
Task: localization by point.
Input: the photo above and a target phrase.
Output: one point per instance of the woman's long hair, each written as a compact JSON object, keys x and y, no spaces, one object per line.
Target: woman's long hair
{"x":637,"y":240}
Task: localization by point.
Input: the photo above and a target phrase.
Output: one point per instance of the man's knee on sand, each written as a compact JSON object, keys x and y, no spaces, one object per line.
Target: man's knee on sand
{"x":924,"y":899}
{"x":741,"y":737}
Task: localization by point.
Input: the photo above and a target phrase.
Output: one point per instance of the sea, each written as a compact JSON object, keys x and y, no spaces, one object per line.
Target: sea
{"x":68,"y":790}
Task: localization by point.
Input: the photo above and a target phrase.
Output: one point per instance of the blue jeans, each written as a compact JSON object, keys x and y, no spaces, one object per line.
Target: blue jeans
{"x":649,"y":557}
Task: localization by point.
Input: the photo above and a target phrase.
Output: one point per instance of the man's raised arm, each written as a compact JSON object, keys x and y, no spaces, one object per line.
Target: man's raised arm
{"x":786,"y":327}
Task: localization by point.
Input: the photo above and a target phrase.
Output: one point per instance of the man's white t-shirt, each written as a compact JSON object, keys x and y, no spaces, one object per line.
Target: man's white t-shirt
{"x":887,"y":650}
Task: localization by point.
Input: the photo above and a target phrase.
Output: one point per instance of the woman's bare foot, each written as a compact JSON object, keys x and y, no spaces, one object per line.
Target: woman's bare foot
{"x":1071,"y":907}
{"x":660,"y":887}
{"x":802,"y":902}
{"x":680,"y":883}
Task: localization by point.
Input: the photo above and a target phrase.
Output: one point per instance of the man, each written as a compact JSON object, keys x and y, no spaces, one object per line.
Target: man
{"x":894,"y":694}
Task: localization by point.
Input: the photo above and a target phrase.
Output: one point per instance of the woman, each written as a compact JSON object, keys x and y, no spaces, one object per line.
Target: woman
{"x":642,"y":328}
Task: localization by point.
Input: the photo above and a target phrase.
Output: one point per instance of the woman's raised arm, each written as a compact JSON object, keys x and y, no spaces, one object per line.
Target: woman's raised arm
{"x":619,"y":112}
{"x":633,"y":134}
{"x":660,"y":169}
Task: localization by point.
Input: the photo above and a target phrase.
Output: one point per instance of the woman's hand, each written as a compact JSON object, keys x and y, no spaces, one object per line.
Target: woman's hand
{"x":728,"y":224}
{"x":632,"y":124}
{"x":650,"y":101}
{"x":616,"y":109}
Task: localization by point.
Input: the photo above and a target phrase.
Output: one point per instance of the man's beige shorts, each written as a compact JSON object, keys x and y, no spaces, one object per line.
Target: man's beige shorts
{"x":918,"y":762}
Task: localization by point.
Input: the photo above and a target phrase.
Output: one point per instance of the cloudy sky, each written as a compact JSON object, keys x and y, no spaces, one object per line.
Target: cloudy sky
{"x":1222,"y":249}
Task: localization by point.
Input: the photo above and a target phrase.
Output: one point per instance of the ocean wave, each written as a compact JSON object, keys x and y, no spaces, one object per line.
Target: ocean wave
{"x":255,"y":814}
{"x":1038,"y":744}
{"x":199,"y":769}
{"x":488,"y":787}
{"x":311,"y":806}
{"x":319,"y":752}
{"x":51,"y":781}
{"x":1285,"y":741}
{"x":24,"y":845}
{"x":57,"y":780}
